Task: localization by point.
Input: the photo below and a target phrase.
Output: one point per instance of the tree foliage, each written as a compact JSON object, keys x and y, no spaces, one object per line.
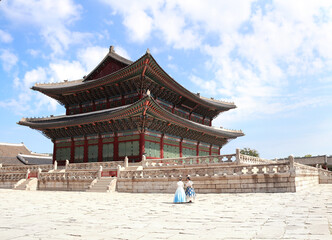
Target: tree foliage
{"x":249,"y":152}
{"x":307,"y":155}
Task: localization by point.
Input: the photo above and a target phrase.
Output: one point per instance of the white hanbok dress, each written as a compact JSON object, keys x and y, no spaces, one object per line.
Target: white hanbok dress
{"x":180,"y":196}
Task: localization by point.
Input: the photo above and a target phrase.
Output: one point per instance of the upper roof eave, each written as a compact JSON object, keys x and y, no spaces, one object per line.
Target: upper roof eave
{"x":81,"y":85}
{"x":85,"y":118}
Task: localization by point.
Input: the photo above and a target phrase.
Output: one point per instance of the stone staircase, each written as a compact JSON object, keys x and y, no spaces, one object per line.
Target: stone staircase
{"x":28,"y":184}
{"x":104,"y":184}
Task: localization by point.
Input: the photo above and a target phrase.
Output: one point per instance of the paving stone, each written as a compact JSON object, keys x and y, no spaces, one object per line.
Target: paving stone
{"x":82,"y":215}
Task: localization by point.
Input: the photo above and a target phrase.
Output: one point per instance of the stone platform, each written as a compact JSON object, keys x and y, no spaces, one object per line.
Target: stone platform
{"x":306,"y":214}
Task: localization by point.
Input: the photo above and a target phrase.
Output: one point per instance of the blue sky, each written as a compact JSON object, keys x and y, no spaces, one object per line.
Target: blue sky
{"x":272,"y":58}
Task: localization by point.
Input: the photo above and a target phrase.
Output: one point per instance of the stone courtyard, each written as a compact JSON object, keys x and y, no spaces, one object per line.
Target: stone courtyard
{"x":306,"y":214}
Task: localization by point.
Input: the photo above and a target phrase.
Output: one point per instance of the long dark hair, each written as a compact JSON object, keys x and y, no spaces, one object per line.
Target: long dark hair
{"x":188,"y":178}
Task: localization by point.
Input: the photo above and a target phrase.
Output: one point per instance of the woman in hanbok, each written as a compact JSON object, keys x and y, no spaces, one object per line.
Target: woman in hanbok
{"x":180,"y":196}
{"x":190,"y":192}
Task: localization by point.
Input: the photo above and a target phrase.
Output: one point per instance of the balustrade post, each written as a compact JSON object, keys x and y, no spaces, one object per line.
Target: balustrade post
{"x":126,"y":162}
{"x":237,"y":156}
{"x":143,"y":160}
{"x":27,"y":176}
{"x":67,"y":164}
{"x":0,"y":165}
{"x":39,"y":172}
{"x":55,"y":166}
{"x":100,"y":171}
{"x":118,"y":170}
{"x":291,"y":164}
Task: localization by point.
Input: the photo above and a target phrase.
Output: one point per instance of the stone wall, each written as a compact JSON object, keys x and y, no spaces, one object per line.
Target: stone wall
{"x":306,"y":176}
{"x":67,"y":181}
{"x":284,"y":182}
{"x":325,"y":177}
{"x":8,"y":180}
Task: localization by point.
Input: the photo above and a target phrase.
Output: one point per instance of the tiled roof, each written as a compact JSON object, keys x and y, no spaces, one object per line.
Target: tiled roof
{"x":9,"y":154}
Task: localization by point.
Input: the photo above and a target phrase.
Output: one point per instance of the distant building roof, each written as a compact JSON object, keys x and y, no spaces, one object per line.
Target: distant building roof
{"x":10,"y":152}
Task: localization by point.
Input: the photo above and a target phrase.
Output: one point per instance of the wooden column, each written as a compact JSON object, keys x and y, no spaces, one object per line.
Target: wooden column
{"x":85,"y":158}
{"x":203,"y":120}
{"x":122,"y":100}
{"x":219,"y":151}
{"x":93,"y":105}
{"x":81,"y":110}
{"x":100,"y":149}
{"x":181,"y":147}
{"x":197,"y":149}
{"x":116,"y":147}
{"x":108,"y":105}
{"x":72,"y":150}
{"x":162,"y":146}
{"x":141,"y":145}
{"x":54,"y":150}
{"x":67,"y":110}
{"x":210,"y":122}
{"x":210,"y":150}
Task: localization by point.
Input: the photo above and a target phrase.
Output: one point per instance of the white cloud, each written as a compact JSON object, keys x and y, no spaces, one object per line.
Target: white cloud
{"x":52,"y":18}
{"x":30,"y":102}
{"x":8,"y":59}
{"x":261,"y":47}
{"x":122,"y":52}
{"x":5,"y":37}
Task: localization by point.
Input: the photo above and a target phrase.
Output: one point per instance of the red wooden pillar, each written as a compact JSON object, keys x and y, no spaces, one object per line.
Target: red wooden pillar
{"x":67,"y":110}
{"x":93,"y":105}
{"x":116,"y":147}
{"x":108,"y":105}
{"x":72,"y":150}
{"x":173,"y":108}
{"x":210,"y":122}
{"x":81,"y":110}
{"x":181,"y":147}
{"x":100,"y":149}
{"x":162,"y":146}
{"x":54,"y":150}
{"x":122,"y":100}
{"x":219,"y":150}
{"x":197,"y":149}
{"x":85,"y":158}
{"x":141,"y":145}
{"x":210,"y":150}
{"x":203,"y":120}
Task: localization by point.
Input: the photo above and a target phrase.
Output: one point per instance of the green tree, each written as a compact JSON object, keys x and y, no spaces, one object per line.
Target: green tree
{"x":249,"y":152}
{"x":307,"y":155}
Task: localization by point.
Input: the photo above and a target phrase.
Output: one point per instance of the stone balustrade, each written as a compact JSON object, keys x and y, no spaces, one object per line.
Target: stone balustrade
{"x":325,"y":176}
{"x":24,"y":168}
{"x":252,"y":160}
{"x":64,"y":176}
{"x":272,"y":168}
{"x":12,"y":176}
{"x":194,"y":160}
{"x":94,"y":165}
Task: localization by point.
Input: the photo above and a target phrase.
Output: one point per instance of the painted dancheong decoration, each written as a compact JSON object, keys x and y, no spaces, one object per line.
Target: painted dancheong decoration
{"x":124,"y":108}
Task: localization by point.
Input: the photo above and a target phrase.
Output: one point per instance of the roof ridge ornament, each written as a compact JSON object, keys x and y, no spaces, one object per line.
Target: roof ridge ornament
{"x":148,"y":51}
{"x":148,"y":92}
{"x":112,"y":49}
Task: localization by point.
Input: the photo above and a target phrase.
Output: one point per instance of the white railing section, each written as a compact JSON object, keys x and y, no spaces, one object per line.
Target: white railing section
{"x":94,"y":165}
{"x":12,"y":176}
{"x":213,"y":159}
{"x":57,"y":176}
{"x":249,"y":169}
{"x":24,"y":168}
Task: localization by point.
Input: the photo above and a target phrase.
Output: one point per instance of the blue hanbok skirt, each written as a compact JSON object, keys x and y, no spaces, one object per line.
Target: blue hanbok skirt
{"x":180,"y":196}
{"x":190,"y":193}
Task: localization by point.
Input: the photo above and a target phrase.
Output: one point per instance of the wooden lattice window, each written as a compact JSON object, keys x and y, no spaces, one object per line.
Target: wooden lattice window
{"x":93,"y":153}
{"x":108,"y":152}
{"x":152,"y":149}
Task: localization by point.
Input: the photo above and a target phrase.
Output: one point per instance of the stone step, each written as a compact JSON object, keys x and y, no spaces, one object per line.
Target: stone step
{"x":102,"y":185}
